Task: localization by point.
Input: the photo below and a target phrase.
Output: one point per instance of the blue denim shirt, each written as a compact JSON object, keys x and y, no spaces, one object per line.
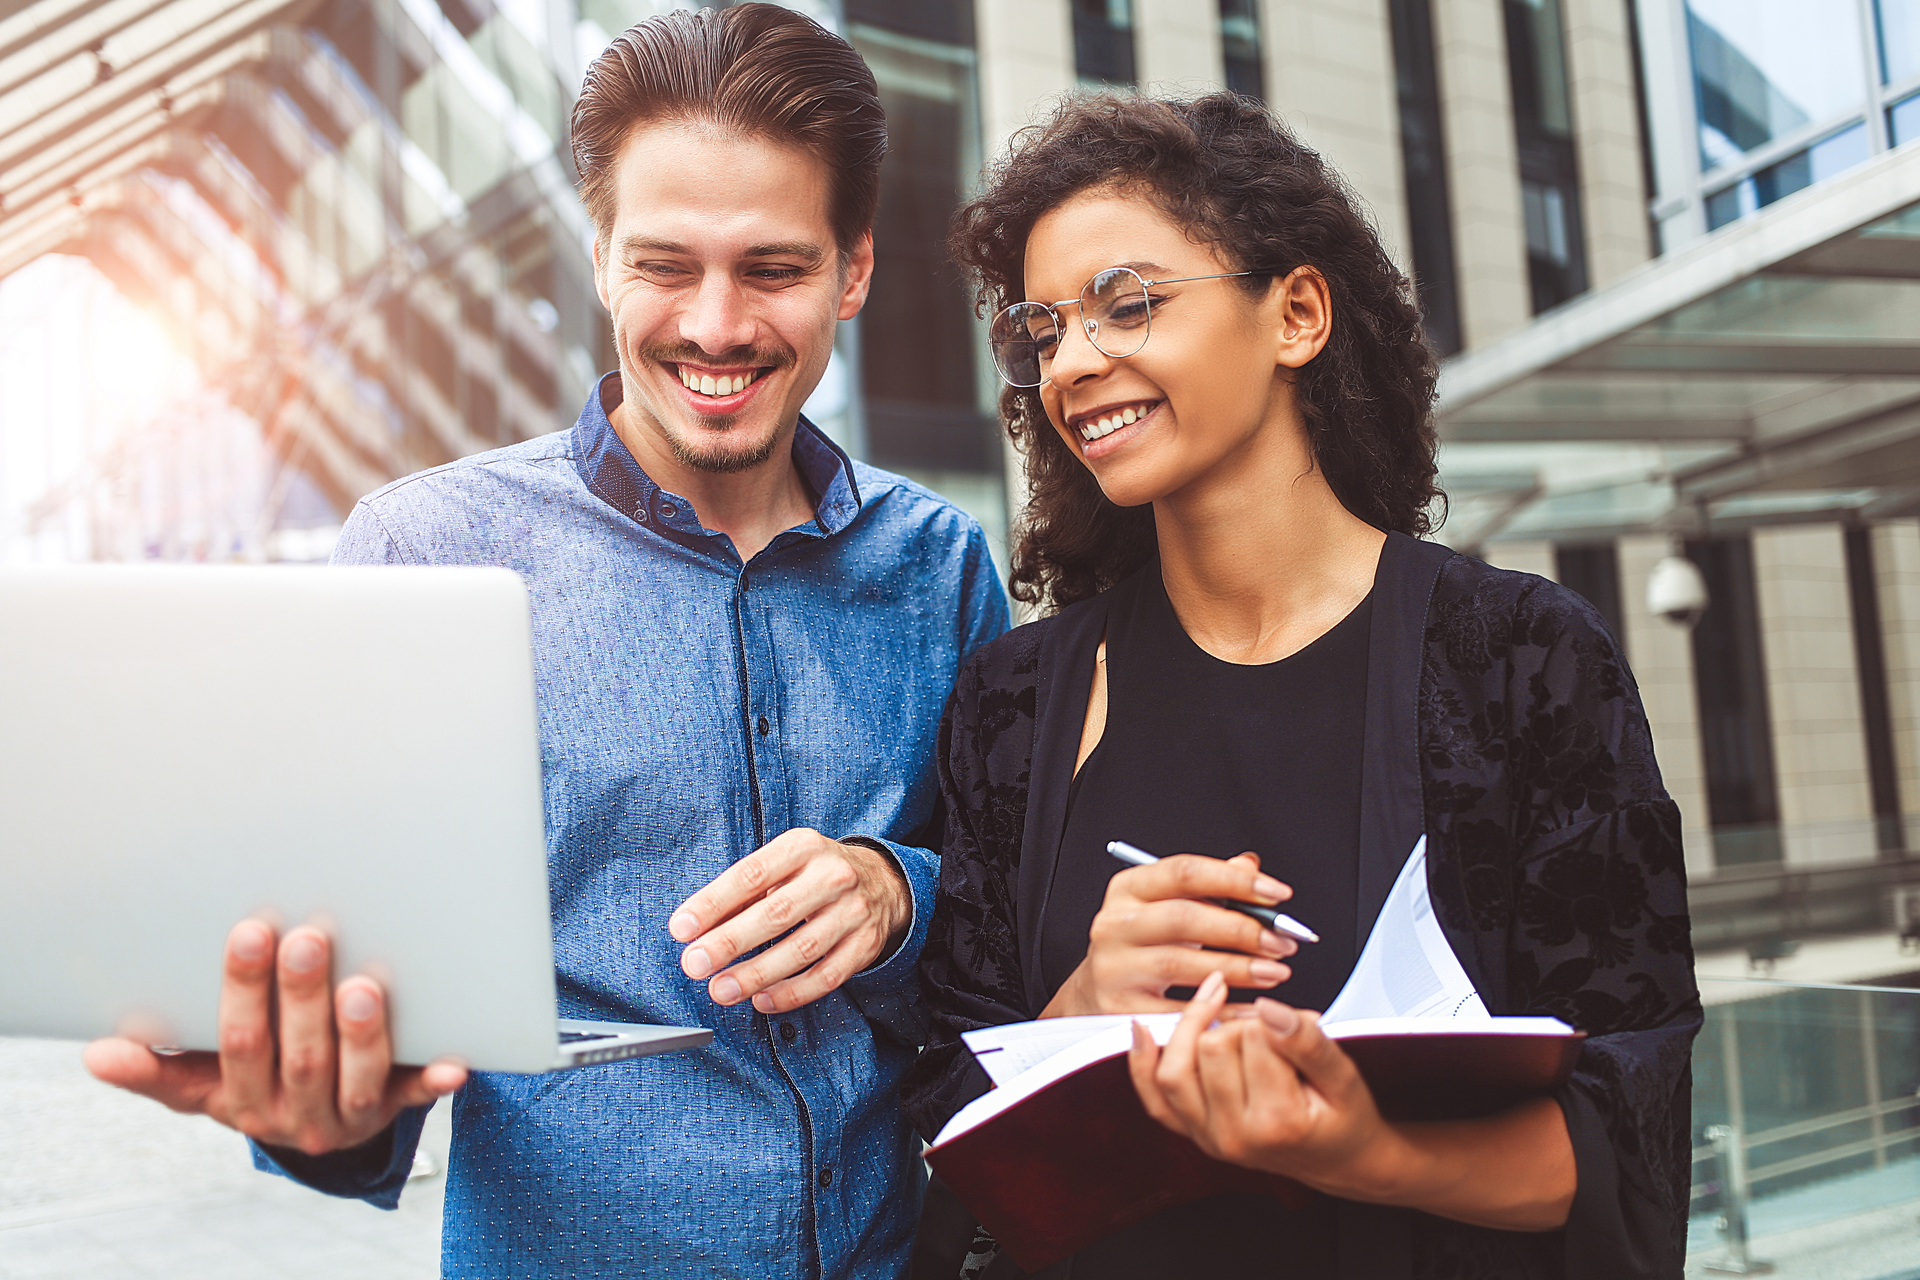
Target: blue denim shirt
{"x":690,"y":709}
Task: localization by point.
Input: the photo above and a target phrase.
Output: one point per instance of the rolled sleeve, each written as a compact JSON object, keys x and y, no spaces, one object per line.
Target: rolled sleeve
{"x":376,"y":1171}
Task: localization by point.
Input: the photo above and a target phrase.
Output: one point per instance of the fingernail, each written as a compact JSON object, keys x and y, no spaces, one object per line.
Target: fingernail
{"x":725,"y":989}
{"x":1275,"y":945}
{"x":1283,"y":1020}
{"x":251,"y":943}
{"x":683,"y":926}
{"x":304,"y":953}
{"x":1267,"y":972}
{"x":1212,"y":987}
{"x":696,"y":962}
{"x":764,"y":1003}
{"x":1267,"y":887}
{"x":358,"y":1004}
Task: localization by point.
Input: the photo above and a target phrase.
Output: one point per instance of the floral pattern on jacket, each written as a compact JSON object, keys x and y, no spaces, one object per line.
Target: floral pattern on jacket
{"x":1555,"y":866}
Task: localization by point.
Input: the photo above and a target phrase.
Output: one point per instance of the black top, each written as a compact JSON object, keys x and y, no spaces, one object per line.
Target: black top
{"x":1205,"y":756}
{"x":1502,"y":722}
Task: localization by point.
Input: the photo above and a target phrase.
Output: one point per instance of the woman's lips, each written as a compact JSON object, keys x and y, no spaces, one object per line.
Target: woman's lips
{"x":1111,"y":430}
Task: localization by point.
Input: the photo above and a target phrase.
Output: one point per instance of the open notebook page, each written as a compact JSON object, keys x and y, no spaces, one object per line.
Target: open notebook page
{"x":1407,"y":969}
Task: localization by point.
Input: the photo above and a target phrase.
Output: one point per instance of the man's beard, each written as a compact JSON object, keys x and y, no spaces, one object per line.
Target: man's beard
{"x":718,"y":461}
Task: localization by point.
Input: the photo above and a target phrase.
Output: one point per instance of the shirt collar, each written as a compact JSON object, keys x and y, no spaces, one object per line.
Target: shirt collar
{"x":611,"y":472}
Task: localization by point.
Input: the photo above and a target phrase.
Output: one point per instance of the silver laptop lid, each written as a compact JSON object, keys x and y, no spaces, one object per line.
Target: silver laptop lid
{"x":183,"y":746}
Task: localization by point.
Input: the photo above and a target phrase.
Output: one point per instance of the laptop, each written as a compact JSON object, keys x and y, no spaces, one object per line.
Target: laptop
{"x":182,"y":747}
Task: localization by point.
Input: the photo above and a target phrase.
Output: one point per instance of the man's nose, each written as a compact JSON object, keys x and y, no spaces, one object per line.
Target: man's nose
{"x":717,"y":317}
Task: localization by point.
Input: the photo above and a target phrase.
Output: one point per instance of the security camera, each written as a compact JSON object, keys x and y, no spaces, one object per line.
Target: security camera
{"x":1676,"y":591}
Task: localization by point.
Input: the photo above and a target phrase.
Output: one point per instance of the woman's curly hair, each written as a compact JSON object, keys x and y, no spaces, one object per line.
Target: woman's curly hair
{"x":1235,"y":179}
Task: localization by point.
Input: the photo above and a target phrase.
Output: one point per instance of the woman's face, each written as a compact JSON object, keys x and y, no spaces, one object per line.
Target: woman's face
{"x":1213,"y":373}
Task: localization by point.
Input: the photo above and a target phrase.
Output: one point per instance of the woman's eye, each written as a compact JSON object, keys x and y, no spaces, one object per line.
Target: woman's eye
{"x":1128,"y":315}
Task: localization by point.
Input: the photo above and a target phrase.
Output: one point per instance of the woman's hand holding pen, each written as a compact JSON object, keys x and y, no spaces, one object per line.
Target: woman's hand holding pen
{"x":1272,"y":1092}
{"x":1156,"y":929}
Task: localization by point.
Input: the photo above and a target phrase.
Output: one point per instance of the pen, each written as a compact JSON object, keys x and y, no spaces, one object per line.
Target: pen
{"x":1274,"y":920}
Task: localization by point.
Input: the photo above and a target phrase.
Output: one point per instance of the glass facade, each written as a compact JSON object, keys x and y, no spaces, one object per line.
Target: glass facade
{"x":1240,"y":47}
{"x":1787,"y":94}
{"x":1543,"y":133}
{"x":1103,"y":42}
{"x":1730,"y":687}
{"x":1423,"y":158}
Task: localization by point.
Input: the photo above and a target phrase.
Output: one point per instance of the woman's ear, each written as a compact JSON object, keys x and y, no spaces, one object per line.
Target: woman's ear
{"x":1305,"y":319}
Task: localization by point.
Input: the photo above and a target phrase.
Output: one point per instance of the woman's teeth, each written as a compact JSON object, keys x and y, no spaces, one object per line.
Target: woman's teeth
{"x":708,"y":385}
{"x":1114,"y":421}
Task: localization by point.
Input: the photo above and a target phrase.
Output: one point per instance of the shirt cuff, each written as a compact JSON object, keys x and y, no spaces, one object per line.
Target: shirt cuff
{"x":896,"y":972}
{"x":375,"y":1171}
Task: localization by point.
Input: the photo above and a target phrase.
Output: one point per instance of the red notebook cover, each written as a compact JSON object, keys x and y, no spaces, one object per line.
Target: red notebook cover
{"x":1081,"y":1158}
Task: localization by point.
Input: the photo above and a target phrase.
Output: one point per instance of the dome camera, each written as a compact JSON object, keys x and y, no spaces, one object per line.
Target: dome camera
{"x":1676,"y":591}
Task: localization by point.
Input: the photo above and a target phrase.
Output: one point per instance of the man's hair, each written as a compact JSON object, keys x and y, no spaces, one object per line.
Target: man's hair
{"x":756,"y":69}
{"x":1233,"y":177}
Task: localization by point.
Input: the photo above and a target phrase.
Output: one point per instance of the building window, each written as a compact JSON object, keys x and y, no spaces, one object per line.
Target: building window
{"x":1594,"y":572}
{"x":1240,"y":47}
{"x":919,"y":345}
{"x":1423,"y":157}
{"x":1876,"y":714}
{"x":1736,"y":731}
{"x":1103,"y":42}
{"x":1543,"y":132}
{"x":1787,"y":94}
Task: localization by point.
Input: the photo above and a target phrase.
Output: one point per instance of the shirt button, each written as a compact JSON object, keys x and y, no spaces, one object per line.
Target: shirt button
{"x":640,"y":514}
{"x":787,"y":1032}
{"x":765,"y":727}
{"x":826,"y":1177}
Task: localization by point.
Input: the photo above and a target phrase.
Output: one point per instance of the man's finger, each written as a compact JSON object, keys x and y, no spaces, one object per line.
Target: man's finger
{"x":308,"y":1058}
{"x":247,"y":1077}
{"x":742,"y":884}
{"x":422,"y":1086}
{"x":846,"y":958}
{"x":818,"y":884}
{"x":366,"y":1058}
{"x":182,"y":1081}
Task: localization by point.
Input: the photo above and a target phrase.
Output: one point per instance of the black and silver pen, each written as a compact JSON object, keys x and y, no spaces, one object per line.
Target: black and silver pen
{"x":1277,"y":921}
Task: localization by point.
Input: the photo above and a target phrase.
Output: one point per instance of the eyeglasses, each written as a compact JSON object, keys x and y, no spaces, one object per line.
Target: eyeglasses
{"x":1116,"y":313}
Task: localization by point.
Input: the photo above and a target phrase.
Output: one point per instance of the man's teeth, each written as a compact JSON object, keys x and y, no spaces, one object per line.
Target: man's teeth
{"x":725,"y":385}
{"x":1114,"y":421}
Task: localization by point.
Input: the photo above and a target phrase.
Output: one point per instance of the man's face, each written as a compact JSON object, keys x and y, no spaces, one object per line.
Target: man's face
{"x":724,"y":282}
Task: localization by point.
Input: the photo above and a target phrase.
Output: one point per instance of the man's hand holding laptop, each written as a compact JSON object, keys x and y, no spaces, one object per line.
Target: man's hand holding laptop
{"x":308,"y":1064}
{"x":317,"y":1077}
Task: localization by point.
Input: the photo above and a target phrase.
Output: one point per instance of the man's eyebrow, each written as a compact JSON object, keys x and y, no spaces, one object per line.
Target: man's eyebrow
{"x":811,"y":254}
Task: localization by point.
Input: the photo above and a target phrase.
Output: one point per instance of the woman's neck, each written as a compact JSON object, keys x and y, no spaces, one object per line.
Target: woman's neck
{"x":1262,"y":560}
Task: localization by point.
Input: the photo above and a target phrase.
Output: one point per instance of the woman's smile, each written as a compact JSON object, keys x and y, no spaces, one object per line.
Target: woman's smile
{"x":1105,"y":429}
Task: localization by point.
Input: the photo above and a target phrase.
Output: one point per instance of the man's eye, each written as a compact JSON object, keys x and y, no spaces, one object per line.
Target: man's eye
{"x":776,"y":275}
{"x":661,"y":272}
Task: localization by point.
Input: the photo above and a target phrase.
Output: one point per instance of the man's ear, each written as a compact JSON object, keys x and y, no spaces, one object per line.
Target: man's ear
{"x":600,"y":271}
{"x":858,"y":277}
{"x":1305,"y":317}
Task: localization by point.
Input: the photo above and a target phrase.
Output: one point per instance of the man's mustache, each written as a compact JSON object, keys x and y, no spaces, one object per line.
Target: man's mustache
{"x":732,"y":358}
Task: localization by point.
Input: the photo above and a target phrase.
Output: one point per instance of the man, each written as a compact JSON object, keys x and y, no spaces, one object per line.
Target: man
{"x":743,"y":640}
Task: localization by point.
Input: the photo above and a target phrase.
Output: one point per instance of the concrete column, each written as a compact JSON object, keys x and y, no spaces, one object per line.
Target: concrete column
{"x":1524,"y":557}
{"x":1663,"y":668}
{"x":1176,"y":47}
{"x":1483,"y":168}
{"x":1813,"y":694}
{"x":1330,"y":76}
{"x":1896,"y":567}
{"x":1613,"y":195}
{"x":1026,"y":65}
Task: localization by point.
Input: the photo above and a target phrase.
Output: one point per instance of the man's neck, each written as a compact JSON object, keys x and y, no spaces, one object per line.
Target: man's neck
{"x":751,"y":507}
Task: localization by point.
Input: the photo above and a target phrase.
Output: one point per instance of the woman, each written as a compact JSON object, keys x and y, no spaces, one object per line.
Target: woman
{"x":1224,"y":396}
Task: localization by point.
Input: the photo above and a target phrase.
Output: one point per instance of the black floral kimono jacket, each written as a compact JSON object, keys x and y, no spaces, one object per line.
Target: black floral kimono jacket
{"x":1502,"y":722}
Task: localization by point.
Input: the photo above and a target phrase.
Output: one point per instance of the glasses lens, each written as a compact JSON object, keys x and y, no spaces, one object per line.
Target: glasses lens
{"x":1023,"y":338}
{"x":1117,"y":313}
